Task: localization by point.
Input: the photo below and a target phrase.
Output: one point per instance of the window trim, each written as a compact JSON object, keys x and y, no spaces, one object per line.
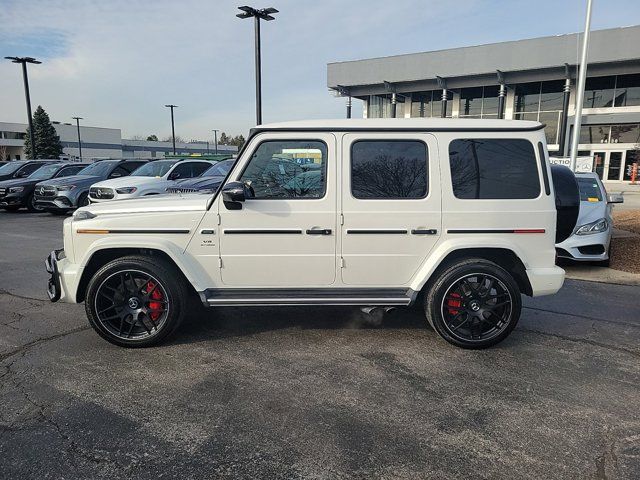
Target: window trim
{"x":396,"y":139}
{"x":543,"y":166}
{"x":238,"y":178}
{"x":528,"y":140}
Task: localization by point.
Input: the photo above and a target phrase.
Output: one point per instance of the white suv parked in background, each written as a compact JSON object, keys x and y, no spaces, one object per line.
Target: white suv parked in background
{"x":153,"y":178}
{"x":456,"y":215}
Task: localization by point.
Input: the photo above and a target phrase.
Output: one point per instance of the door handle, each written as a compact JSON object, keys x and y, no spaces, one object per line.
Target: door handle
{"x":426,"y":231}
{"x":319,"y":231}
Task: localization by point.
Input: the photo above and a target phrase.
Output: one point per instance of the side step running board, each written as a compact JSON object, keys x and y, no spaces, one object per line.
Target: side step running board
{"x":319,"y":296}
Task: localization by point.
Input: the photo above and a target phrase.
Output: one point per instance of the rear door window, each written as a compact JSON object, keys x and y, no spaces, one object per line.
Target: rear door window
{"x":492,"y":168}
{"x":389,"y":169}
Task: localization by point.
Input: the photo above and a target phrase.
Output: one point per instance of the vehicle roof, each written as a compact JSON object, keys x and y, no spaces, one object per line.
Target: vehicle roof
{"x":404,"y":123}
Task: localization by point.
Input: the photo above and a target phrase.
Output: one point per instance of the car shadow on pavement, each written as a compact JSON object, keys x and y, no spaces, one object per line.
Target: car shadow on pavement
{"x":224,"y":322}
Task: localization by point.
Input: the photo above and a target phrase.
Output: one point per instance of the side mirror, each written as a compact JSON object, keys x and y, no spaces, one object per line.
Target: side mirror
{"x":615,"y":198}
{"x":23,"y":174}
{"x":174,"y":176}
{"x":234,"y":193}
{"x":115,"y":175}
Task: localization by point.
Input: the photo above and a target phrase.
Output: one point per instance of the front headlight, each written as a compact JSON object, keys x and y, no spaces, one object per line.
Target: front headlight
{"x":65,"y":188}
{"x":594,"y":227}
{"x":126,"y":189}
{"x":83,"y":215}
{"x":16,"y":189}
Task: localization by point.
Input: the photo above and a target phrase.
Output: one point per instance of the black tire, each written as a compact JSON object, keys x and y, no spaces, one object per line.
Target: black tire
{"x":122,"y":280}
{"x":31,"y":204}
{"x":83,"y":200}
{"x":473,"y":317}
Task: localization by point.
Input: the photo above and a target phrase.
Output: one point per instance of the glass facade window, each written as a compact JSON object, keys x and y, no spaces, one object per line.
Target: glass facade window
{"x":380,"y":106}
{"x":429,"y":104}
{"x":479,"y":102}
{"x":633,"y":156}
{"x":625,"y":133}
{"x":627,"y":90}
{"x":599,"y":92}
{"x":13,"y":135}
{"x":542,"y":102}
{"x":594,"y":134}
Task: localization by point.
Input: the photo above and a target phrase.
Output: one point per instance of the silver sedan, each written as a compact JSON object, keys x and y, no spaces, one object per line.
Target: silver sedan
{"x":591,"y":238}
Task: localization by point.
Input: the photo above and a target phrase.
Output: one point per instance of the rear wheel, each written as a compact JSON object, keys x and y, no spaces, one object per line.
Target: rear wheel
{"x":136,"y":301}
{"x":473,"y":304}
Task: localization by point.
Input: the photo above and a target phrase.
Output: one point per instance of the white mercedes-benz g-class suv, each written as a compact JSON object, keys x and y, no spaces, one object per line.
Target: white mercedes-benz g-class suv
{"x":458,"y":215}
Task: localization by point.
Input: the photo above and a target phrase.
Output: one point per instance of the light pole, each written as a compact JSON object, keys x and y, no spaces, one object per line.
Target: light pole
{"x":24,"y":61}
{"x":582,"y":77}
{"x":215,"y":140}
{"x":77,"y":119}
{"x":173,"y":129}
{"x":264,"y":14}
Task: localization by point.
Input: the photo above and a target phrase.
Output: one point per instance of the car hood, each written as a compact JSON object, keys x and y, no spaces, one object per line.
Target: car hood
{"x":129,"y":181}
{"x":200,"y":182}
{"x":591,"y":211}
{"x":77,"y":180}
{"x":17,"y":182}
{"x":154,"y":204}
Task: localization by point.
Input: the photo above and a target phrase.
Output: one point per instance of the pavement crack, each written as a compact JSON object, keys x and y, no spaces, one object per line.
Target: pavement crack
{"x":583,"y":340}
{"x":39,"y":341}
{"x":23,"y":297}
{"x":585,"y":317}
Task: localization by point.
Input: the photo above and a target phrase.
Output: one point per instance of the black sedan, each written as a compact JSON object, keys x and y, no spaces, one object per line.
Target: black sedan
{"x":208,"y":182}
{"x":18,"y":192}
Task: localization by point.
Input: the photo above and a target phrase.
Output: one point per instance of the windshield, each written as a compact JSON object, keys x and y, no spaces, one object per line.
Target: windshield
{"x":45,"y":172}
{"x":10,"y":167}
{"x":219,"y":169}
{"x":98,"y":168}
{"x":154,"y":169}
{"x":589,"y":190}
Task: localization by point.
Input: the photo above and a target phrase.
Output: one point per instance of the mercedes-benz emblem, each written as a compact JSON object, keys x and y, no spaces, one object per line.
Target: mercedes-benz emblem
{"x":41,"y":190}
{"x":98,"y":193}
{"x":133,"y":303}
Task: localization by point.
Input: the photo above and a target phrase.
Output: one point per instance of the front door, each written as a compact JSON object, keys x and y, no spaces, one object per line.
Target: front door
{"x":598,"y":163}
{"x":286,"y":235}
{"x":391,"y":206}
{"x":614,"y":165}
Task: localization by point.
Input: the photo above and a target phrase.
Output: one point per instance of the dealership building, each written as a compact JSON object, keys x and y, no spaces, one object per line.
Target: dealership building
{"x":532,"y":79}
{"x":99,"y":142}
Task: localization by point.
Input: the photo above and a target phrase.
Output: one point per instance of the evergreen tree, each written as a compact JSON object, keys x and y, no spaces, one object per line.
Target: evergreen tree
{"x":47,"y":140}
{"x":237,"y":141}
{"x":223,"y":140}
{"x":152,"y":138}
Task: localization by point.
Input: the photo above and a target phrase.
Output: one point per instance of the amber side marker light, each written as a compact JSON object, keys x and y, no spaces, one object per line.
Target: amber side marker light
{"x":530,"y":230}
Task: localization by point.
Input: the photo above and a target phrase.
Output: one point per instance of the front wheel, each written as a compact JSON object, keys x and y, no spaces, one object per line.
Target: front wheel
{"x":473,"y":304}
{"x":136,"y":301}
{"x":32,"y":206}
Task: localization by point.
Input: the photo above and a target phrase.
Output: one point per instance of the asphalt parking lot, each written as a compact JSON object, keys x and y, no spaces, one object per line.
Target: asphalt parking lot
{"x":313,"y":392}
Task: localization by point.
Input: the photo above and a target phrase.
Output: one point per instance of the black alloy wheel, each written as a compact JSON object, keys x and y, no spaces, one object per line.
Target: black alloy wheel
{"x":474,"y":304}
{"x":476,"y":307}
{"x":136,"y":301}
{"x":31,"y":204}
{"x":83,"y":201}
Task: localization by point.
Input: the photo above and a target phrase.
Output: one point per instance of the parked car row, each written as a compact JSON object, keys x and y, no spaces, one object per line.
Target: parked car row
{"x":59,"y":187}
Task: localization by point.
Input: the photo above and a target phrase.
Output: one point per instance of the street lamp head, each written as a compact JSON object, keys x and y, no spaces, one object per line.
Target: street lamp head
{"x":171,"y":106}
{"x":77,"y":118}
{"x":264,"y":14}
{"x":23,"y":60}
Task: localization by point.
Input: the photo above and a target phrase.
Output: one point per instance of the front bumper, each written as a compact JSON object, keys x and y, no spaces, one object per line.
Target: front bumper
{"x":13,"y":200}
{"x":54,"y":286}
{"x":586,"y":248}
{"x":60,"y":202}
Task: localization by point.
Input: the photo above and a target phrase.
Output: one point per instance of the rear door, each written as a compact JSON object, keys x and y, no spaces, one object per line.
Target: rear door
{"x":391,"y":206}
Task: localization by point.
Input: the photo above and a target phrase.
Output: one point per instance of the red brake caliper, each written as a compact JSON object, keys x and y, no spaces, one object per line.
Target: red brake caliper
{"x":454,"y":304}
{"x":156,"y":308}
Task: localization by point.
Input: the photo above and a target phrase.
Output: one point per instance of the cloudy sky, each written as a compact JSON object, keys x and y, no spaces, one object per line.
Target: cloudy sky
{"x":116,"y":63}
